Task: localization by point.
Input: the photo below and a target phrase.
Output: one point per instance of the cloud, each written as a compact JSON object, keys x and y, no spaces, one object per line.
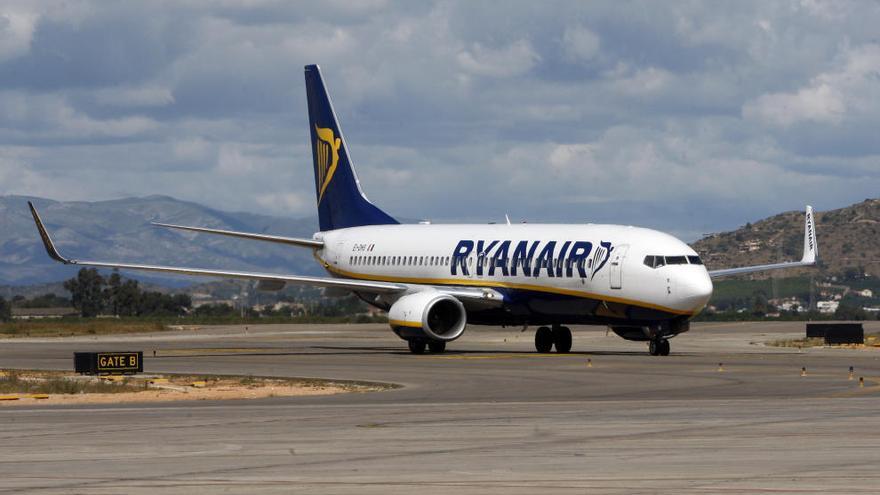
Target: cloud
{"x":16,"y":33}
{"x":515,"y":59}
{"x":687,"y":116}
{"x":830,"y":97}
{"x":579,"y":43}
{"x":135,"y":97}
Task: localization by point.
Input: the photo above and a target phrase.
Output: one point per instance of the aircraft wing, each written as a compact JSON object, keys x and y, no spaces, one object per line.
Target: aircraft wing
{"x":247,"y":235}
{"x":811,"y":253}
{"x":264,"y":278}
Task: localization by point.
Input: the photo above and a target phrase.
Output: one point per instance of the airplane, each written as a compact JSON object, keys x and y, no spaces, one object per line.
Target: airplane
{"x":434,"y":280}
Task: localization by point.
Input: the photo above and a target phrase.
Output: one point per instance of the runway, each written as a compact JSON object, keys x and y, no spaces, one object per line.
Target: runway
{"x":489,"y":416}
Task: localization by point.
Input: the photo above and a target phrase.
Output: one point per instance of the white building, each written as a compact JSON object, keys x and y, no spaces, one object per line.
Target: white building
{"x":827,"y":306}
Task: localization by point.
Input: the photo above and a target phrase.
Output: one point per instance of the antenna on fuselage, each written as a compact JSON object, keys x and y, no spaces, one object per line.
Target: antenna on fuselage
{"x":507,"y":218}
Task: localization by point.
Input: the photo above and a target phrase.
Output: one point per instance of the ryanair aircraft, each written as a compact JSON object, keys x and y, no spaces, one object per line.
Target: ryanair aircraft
{"x":435,"y":279}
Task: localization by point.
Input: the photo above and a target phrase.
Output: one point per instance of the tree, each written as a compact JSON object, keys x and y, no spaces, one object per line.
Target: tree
{"x":86,"y":292}
{"x":760,"y":306}
{"x":5,"y":310}
{"x":847,"y":310}
{"x":128,"y":298}
{"x":112,"y":292}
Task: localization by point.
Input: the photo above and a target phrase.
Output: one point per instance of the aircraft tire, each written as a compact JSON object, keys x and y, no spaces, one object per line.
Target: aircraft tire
{"x":543,"y":339}
{"x":437,"y":346}
{"x":562,"y":339}
{"x":654,"y":347}
{"x":417,"y":346}
{"x":664,"y":347}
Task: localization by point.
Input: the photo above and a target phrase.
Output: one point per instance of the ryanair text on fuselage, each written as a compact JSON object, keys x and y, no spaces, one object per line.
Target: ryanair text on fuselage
{"x":508,"y":258}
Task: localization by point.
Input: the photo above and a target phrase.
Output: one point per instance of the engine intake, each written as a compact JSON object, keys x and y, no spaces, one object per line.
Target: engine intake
{"x":428,"y":314}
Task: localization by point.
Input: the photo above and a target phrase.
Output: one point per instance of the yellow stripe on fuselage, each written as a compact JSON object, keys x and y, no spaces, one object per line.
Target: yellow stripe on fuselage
{"x":494,"y":283}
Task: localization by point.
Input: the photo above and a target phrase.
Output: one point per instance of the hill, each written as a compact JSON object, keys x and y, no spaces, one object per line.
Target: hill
{"x":849,"y":242}
{"x":120,"y":230}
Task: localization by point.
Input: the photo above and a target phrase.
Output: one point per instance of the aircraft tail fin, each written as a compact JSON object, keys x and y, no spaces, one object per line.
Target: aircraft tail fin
{"x":341,"y":203}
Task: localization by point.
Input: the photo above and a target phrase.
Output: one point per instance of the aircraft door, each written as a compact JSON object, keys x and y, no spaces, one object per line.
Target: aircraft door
{"x":616,"y":273}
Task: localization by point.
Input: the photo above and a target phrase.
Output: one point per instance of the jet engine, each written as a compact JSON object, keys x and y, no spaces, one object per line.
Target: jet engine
{"x":428,"y":315}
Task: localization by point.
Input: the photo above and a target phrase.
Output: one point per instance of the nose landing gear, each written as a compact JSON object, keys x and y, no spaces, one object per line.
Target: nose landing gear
{"x":559,"y":336}
{"x":658,"y":347}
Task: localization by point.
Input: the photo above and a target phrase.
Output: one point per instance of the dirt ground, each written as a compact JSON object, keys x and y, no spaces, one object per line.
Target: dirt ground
{"x":163,"y":388}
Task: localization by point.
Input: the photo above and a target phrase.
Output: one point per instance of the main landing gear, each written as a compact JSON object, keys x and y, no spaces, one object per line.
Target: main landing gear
{"x":417,"y":346}
{"x":658,"y":347}
{"x":559,"y":336}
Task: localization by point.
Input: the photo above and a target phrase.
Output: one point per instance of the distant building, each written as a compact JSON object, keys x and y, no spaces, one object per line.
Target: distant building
{"x":865,"y":293}
{"x":827,"y":306}
{"x":42,"y":313}
{"x":789,"y":304}
{"x":750,"y":246}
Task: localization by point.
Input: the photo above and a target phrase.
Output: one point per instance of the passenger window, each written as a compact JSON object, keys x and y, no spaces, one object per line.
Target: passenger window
{"x":695,"y":260}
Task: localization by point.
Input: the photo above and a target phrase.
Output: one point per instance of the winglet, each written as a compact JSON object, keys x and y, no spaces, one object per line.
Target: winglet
{"x":47,"y":241}
{"x":811,"y":246}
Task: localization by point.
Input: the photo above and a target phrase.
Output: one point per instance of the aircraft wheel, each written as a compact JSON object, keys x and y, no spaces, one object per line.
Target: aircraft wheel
{"x":417,"y":346}
{"x":437,"y":346}
{"x":544,"y":339}
{"x":654,"y":348}
{"x":664,"y":347}
{"x":562,"y":339}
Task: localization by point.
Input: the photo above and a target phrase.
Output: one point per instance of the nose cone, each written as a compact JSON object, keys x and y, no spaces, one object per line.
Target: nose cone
{"x":695,"y":289}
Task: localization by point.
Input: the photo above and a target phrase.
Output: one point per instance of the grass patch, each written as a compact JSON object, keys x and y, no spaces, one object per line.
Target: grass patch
{"x":799,"y":343}
{"x":13,"y":382}
{"x":66,"y":327}
{"x":871,"y":340}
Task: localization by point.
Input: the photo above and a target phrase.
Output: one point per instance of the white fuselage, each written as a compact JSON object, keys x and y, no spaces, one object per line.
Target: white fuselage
{"x":604,"y":264}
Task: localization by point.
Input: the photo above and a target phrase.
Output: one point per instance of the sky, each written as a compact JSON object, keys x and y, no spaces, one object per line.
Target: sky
{"x":691,"y":117}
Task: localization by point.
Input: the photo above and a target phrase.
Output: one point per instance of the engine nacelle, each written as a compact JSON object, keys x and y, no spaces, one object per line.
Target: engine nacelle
{"x":429,"y":314}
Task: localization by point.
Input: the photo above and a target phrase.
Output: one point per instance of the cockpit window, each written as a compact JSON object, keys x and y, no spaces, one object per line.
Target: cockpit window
{"x":654,"y":261}
{"x":695,"y":260}
{"x":676,"y":260}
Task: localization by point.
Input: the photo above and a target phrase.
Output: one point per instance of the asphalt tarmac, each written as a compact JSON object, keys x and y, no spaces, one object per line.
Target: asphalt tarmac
{"x":488,"y":416}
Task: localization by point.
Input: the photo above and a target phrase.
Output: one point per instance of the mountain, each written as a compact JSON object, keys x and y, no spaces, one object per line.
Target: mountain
{"x":120,"y":230}
{"x":849,"y":241}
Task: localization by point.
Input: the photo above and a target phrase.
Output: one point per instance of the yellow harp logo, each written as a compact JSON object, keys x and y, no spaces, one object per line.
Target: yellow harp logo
{"x":327,"y":151}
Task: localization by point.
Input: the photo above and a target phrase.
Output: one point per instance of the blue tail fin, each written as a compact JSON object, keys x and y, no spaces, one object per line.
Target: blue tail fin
{"x":341,"y":203}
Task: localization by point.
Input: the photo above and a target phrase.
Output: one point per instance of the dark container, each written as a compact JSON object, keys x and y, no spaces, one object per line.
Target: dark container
{"x":816,"y":330}
{"x":837,"y":333}
{"x":845,"y":333}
